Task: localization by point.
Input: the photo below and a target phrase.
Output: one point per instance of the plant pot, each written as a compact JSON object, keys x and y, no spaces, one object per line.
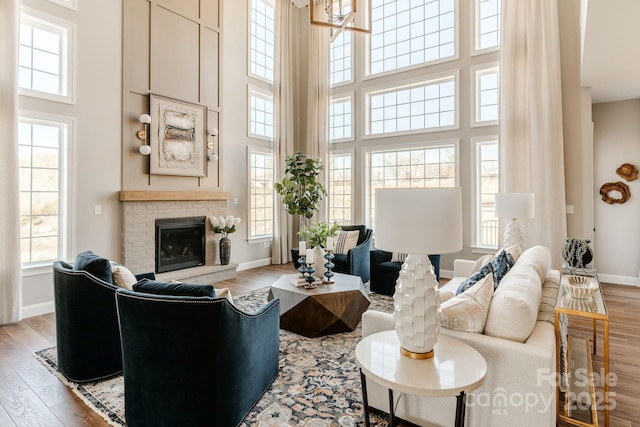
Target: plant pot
{"x":225,"y":250}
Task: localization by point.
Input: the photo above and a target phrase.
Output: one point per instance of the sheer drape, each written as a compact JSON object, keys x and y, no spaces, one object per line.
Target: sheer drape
{"x":284,"y":136}
{"x":531,"y":139}
{"x":10,"y":268}
{"x":318,"y":99}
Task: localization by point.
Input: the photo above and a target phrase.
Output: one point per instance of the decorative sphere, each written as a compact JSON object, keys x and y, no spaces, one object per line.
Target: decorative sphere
{"x":145,"y":150}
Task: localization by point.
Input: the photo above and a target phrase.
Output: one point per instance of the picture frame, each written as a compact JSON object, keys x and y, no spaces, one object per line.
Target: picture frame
{"x":177,"y":137}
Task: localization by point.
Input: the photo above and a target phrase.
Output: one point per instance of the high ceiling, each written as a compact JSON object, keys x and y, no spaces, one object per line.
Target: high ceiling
{"x":611,"y":50}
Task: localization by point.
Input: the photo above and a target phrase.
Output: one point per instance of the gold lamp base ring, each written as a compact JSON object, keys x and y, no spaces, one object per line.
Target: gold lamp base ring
{"x":413,"y":355}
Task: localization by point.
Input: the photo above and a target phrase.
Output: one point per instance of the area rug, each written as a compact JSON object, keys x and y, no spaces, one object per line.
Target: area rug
{"x":318,"y":385}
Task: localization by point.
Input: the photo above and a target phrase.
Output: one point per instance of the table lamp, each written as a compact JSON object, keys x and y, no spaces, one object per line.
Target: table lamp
{"x":418,"y":222}
{"x":512,"y":206}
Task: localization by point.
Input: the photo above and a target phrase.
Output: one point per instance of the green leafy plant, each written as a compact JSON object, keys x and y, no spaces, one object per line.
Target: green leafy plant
{"x":300,"y":189}
{"x":316,"y":234}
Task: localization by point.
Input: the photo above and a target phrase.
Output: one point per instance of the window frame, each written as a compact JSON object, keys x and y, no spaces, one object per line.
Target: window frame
{"x":267,"y":95}
{"x":67,"y":31}
{"x":476,"y":72}
{"x":69,"y":4}
{"x":265,"y":237}
{"x":335,"y":99}
{"x":342,"y":152}
{"x":366,"y":161}
{"x":475,"y":32}
{"x":366,"y":55}
{"x":351,"y":79}
{"x":427,"y":79}
{"x":66,"y":186}
{"x":476,"y":194}
{"x":249,"y":39}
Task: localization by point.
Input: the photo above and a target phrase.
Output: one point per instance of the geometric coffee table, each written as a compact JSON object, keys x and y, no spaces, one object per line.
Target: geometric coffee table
{"x":324,"y":310}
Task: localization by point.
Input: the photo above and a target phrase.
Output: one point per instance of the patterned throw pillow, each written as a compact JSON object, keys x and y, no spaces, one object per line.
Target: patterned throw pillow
{"x":468,"y":310}
{"x":474,"y":278}
{"x":399,"y":257}
{"x":345,"y":241}
{"x":500,"y":266}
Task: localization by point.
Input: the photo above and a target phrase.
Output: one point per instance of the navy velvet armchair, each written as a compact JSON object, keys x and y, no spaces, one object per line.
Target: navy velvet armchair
{"x":194,"y":361}
{"x":385,"y":273}
{"x":87,"y":336}
{"x":356,"y":261}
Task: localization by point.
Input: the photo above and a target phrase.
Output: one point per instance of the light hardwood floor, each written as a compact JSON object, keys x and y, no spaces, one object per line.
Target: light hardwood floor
{"x":31,"y":396}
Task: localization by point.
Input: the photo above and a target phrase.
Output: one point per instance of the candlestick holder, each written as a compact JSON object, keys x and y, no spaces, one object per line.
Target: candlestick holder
{"x":329,"y":266}
{"x":303,"y":265}
{"x":310,"y":278}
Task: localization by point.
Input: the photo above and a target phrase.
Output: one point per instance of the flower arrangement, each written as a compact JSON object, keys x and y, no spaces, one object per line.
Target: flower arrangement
{"x":316,"y":234}
{"x":224,"y":226}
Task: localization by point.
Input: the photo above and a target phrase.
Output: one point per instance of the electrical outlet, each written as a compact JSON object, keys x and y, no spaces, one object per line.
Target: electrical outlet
{"x":97,"y":209}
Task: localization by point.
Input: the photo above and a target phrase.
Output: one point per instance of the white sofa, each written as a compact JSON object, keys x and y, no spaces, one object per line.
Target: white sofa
{"x":520,"y":386}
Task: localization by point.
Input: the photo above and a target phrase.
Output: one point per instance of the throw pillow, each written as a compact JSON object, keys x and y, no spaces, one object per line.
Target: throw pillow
{"x":224,"y":293}
{"x":514,"y":250}
{"x":474,"y":278}
{"x":480,"y":262}
{"x":122,"y":276}
{"x":399,"y":257}
{"x":500,"y":266}
{"x":468,"y":310}
{"x":94,"y":265}
{"x":345,"y":241}
{"x":176,"y":289}
{"x":549,"y":296}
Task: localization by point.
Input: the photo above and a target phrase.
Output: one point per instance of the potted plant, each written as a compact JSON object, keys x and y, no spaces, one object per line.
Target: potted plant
{"x":316,"y":234}
{"x":224,"y":226}
{"x":300,"y":189}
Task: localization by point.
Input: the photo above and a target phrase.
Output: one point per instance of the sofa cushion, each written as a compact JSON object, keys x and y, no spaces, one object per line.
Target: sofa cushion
{"x":515,"y":304}
{"x":122,"y":276}
{"x":176,"y":289}
{"x":474,"y":278}
{"x":468,"y":310}
{"x":481,"y":262}
{"x":94,"y":265}
{"x":550,"y":287}
{"x":345,"y":241}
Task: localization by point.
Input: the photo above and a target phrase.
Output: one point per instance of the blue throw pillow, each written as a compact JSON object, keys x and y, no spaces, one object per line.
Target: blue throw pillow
{"x":94,"y":265}
{"x":176,"y":289}
{"x":474,"y":278}
{"x":500,"y":265}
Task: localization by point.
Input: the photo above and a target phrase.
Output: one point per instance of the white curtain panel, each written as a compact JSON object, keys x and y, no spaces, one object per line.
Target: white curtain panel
{"x":10,"y":267}
{"x":318,"y":107}
{"x":531,"y":136}
{"x":284,"y":136}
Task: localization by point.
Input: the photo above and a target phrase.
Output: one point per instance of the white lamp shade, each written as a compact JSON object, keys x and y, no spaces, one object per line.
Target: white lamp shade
{"x":515,"y":205}
{"x":419,"y":220}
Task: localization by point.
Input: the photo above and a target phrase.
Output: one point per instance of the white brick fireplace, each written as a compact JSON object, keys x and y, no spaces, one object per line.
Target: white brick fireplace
{"x":140,"y":209}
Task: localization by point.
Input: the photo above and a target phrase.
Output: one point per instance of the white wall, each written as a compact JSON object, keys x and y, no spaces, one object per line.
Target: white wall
{"x":617,"y":235}
{"x":96,"y":152}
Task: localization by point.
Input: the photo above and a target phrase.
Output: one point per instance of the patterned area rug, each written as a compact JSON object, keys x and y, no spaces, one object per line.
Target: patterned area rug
{"x":318,"y":385}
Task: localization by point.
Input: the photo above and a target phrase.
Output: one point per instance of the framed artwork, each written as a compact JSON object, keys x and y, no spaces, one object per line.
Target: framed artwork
{"x":177,"y":137}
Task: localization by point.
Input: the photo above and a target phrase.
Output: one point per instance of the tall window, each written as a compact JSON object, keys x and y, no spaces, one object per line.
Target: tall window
{"x":42,"y":161}
{"x":261,"y":114}
{"x":411,"y":167}
{"x":486,"y":95}
{"x":260,"y":193}
{"x":486,"y":231}
{"x":406,"y":33}
{"x":262,"y":39}
{"x":340,"y":59}
{"x":340,"y":188}
{"x":411,"y":108}
{"x":488,"y":16}
{"x":341,"y":119}
{"x":44,"y":61}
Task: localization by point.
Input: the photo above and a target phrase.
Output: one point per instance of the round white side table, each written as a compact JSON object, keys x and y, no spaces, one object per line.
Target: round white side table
{"x":455,"y":370}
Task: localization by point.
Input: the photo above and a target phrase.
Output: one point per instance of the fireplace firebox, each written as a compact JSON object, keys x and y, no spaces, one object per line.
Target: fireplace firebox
{"x":180,"y":243}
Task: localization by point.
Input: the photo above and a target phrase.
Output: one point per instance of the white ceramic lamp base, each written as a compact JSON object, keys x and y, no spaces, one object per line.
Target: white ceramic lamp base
{"x":416,"y":307}
{"x":514,"y":235}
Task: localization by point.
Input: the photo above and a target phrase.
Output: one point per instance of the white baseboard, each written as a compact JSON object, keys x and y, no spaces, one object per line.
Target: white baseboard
{"x":618,"y":280}
{"x":38,"y":309}
{"x":254,"y":264}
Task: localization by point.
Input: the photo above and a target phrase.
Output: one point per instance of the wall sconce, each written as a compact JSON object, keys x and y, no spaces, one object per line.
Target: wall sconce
{"x":211,"y":146}
{"x":143,"y":134}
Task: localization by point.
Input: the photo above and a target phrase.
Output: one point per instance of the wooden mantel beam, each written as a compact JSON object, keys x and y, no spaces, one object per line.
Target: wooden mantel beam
{"x":148,"y":196}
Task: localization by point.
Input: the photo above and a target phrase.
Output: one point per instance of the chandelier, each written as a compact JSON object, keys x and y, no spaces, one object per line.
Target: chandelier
{"x":341,"y":15}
